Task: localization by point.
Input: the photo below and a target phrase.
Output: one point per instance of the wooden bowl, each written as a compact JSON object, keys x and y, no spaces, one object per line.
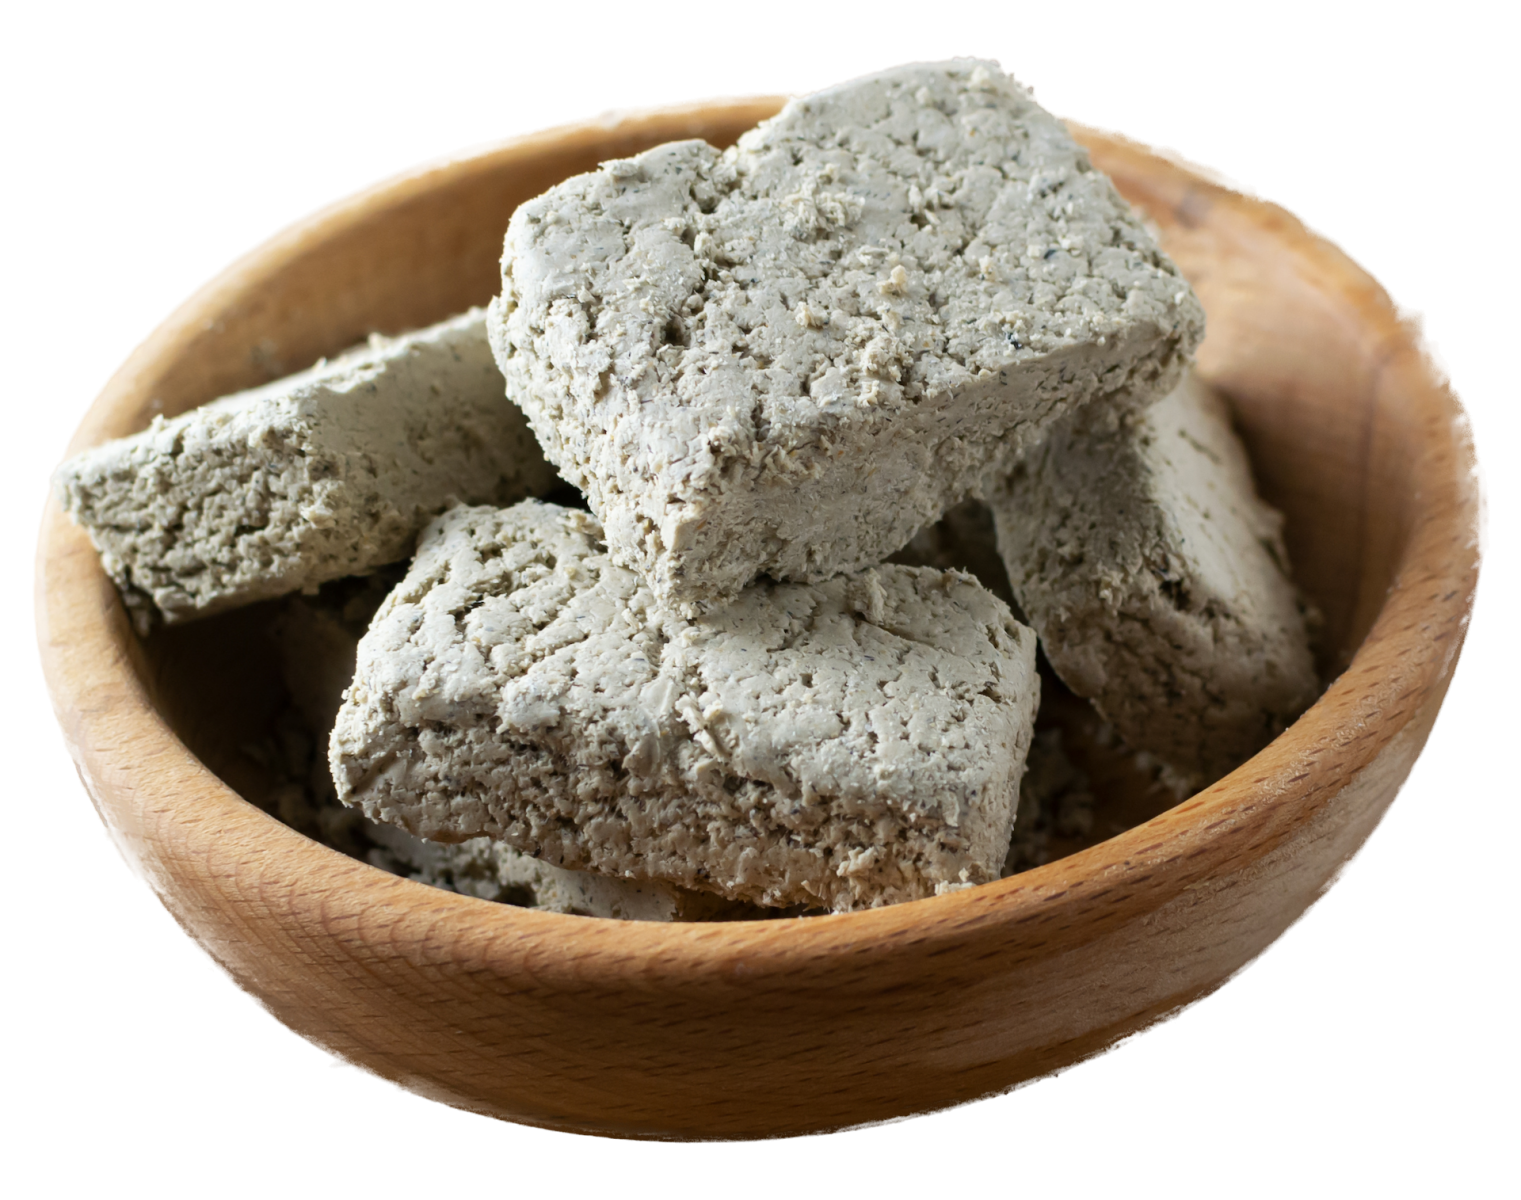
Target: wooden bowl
{"x":788,"y":1026}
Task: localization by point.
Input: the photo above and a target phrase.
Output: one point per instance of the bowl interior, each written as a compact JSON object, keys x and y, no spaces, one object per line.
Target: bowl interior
{"x":1323,"y":453}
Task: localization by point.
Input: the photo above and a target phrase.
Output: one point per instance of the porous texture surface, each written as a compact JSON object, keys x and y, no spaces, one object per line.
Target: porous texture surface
{"x":1159,"y":582}
{"x":787,"y":357}
{"x":323,"y":474}
{"x":840,"y":745}
{"x":316,"y":639}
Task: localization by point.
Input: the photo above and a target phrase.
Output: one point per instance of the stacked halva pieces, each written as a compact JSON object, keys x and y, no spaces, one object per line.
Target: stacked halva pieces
{"x":786,"y":357}
{"x":1156,"y":577}
{"x":307,"y":480}
{"x":796,"y":359}
{"x":328,"y":473}
{"x":766,"y":368}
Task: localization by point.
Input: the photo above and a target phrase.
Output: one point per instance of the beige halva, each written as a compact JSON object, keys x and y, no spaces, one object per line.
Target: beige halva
{"x":786,"y":357}
{"x":1159,"y":583}
{"x":842,"y":744}
{"x":766,"y":368}
{"x":323,"y":474}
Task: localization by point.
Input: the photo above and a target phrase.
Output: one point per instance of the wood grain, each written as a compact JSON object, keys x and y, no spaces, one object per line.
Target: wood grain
{"x":792,"y":1026}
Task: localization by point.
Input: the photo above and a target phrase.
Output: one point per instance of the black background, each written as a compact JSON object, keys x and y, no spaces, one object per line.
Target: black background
{"x":1374,"y":1010}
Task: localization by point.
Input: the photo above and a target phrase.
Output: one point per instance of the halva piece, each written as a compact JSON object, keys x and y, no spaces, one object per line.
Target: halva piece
{"x":320,"y":475}
{"x":1159,"y":582}
{"x":316,"y":639}
{"x":840,"y":745}
{"x":787,"y":357}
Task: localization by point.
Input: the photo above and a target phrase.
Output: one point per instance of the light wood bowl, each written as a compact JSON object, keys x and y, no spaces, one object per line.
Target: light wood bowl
{"x":790,"y":1026}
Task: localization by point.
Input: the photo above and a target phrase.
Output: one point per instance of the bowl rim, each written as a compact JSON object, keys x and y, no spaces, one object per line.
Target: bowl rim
{"x":115,"y":733}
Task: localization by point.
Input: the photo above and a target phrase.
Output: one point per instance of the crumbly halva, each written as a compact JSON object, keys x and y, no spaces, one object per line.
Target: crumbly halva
{"x":1159,"y":582}
{"x":787,"y":357}
{"x":323,"y":474}
{"x":316,"y":638}
{"x":840,"y":745}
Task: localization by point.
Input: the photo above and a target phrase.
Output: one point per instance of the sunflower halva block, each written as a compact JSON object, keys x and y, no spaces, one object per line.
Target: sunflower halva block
{"x":323,"y":474}
{"x":1159,"y":582}
{"x":787,"y":357}
{"x":839,"y":745}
